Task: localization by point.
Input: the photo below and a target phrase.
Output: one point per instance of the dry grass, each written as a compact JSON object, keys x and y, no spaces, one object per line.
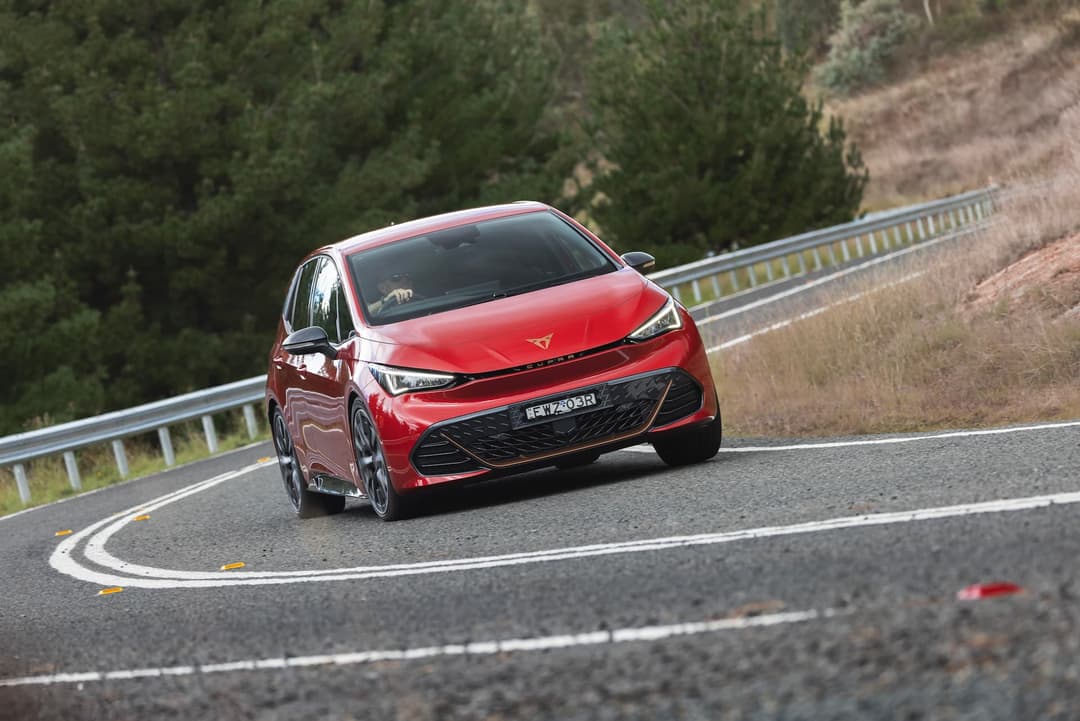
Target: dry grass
{"x":972,"y":117}
{"x":933,"y":353}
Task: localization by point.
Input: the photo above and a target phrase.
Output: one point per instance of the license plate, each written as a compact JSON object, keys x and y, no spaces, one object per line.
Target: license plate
{"x":560,"y":407}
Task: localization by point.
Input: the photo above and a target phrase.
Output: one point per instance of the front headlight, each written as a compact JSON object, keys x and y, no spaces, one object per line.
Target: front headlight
{"x":401,"y":380}
{"x":665,"y":319}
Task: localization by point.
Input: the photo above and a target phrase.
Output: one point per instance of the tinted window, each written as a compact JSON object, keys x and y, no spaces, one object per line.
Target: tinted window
{"x":301,"y":303}
{"x":473,"y":264}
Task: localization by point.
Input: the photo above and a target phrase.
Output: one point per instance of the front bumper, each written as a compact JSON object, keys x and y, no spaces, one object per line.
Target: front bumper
{"x":476,"y":429}
{"x":498,"y":439}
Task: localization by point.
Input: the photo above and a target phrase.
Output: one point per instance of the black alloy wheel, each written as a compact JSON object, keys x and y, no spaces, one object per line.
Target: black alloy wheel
{"x":371,"y":464}
{"x":305,"y":503}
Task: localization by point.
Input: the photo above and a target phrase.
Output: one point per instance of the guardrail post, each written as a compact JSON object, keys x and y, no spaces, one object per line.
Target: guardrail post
{"x":249,"y":413}
{"x":832,"y":254}
{"x":930,"y":222}
{"x":22,"y":484}
{"x":753,"y":276}
{"x":211,"y":434}
{"x":73,"y":471}
{"x":873,"y":243}
{"x":735,"y":281}
{"x":675,"y":292}
{"x":922,"y":230}
{"x":965,"y":215}
{"x":896,"y":236}
{"x":817,"y":259}
{"x":952,"y":219}
{"x":787,"y":268}
{"x":696,"y":287}
{"x":979,"y":211}
{"x":846,"y":252}
{"x":121,"y":457}
{"x":802,"y":264}
{"x":166,"y":446}
{"x":769,"y":270}
{"x":910,"y":235}
{"x":715,"y":287}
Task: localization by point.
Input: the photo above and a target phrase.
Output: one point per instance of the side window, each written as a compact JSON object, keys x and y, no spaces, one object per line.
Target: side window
{"x":345,"y":322}
{"x":323,"y":305}
{"x":301,"y":302}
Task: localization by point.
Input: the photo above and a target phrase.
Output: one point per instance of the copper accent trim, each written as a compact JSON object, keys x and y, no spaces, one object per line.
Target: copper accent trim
{"x":543,"y":342}
{"x":572,"y":449}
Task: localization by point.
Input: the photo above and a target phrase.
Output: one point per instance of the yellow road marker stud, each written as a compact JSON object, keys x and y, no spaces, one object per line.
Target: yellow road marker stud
{"x":109,"y":591}
{"x":143,"y":517}
{"x":233,"y":566}
{"x":264,"y":459}
{"x":65,"y":532}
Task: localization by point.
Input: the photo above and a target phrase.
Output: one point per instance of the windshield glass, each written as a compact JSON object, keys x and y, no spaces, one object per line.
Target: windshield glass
{"x":472,"y":264}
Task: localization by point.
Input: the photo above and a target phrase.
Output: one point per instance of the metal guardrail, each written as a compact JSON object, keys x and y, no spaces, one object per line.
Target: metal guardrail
{"x":722,"y":273}
{"x":66,"y":438}
{"x":742,"y":269}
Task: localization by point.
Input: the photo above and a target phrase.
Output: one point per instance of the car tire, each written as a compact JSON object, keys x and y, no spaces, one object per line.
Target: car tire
{"x":388,"y":504}
{"x":696,"y":445}
{"x":305,"y":503}
{"x":576,"y":461}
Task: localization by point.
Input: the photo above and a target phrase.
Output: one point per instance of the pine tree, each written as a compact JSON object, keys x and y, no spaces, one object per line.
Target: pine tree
{"x":710,"y":143}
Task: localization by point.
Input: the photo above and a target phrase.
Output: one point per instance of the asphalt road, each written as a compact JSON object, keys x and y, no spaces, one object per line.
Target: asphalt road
{"x":857,"y":618}
{"x":794,"y":580}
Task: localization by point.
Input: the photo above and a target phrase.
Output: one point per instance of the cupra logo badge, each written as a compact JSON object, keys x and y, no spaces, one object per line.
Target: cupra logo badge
{"x":541,"y":343}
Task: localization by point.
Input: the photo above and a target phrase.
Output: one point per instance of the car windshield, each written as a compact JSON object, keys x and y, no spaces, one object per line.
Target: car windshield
{"x":471,"y":264}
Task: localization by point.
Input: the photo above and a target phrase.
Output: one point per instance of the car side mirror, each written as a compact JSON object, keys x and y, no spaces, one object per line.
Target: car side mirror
{"x":639,"y":261}
{"x":309,"y":340}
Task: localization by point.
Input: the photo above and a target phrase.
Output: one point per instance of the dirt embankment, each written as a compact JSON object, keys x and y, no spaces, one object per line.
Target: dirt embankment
{"x":1046,"y":279}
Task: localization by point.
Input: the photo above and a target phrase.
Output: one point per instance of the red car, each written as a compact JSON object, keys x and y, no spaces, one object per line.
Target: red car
{"x":473,"y":345}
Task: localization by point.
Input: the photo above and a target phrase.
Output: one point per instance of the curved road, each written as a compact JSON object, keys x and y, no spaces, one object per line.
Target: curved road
{"x":807,"y":580}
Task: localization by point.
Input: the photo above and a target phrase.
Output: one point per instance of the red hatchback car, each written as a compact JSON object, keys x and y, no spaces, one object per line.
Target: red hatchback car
{"x":473,"y":345}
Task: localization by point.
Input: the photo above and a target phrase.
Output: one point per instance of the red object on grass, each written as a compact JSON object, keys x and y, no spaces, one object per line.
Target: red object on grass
{"x":979,"y":591}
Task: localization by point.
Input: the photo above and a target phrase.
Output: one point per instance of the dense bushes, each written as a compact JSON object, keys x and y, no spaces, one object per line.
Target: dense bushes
{"x":869,"y":35}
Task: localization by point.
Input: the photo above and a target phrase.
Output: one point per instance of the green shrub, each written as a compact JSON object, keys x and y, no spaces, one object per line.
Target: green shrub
{"x":805,"y":25}
{"x":869,"y":36}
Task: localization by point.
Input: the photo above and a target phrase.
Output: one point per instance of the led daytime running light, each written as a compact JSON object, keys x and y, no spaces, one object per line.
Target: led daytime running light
{"x":664,"y":320}
{"x":400,"y":380}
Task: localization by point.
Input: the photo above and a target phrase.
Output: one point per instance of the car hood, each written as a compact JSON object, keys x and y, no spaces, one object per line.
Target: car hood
{"x":510,"y":332}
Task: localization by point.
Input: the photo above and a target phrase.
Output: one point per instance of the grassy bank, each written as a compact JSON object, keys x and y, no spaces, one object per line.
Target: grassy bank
{"x":941,"y":350}
{"x":97,"y":467}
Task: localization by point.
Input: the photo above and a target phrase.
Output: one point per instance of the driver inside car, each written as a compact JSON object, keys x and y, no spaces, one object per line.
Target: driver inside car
{"x":394,"y":289}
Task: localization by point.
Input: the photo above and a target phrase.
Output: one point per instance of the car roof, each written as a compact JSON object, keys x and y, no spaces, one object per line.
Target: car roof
{"x":433,"y":223}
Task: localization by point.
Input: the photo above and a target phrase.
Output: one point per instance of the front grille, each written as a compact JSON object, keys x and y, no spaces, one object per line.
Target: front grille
{"x":683,"y":398}
{"x":492,"y":438}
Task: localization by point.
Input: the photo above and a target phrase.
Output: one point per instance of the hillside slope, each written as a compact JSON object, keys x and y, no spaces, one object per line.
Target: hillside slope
{"x":983,"y":114}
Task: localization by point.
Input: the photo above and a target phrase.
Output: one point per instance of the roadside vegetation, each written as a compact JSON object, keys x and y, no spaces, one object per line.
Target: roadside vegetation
{"x":990,"y":334}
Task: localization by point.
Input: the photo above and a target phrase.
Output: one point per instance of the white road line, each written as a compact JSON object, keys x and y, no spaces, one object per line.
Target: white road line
{"x":811,"y":313}
{"x":828,"y":278}
{"x":476,"y":648}
{"x":883,"y":441}
{"x":154,"y":578}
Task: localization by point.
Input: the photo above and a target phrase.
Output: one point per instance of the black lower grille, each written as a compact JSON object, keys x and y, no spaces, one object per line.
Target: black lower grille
{"x":500,"y":438}
{"x":437,"y":456}
{"x":683,"y":398}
